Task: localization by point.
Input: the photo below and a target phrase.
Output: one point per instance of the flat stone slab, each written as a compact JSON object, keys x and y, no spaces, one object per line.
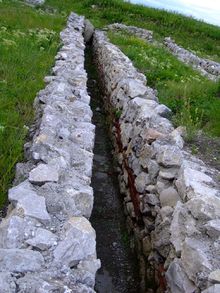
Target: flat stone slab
{"x":28,"y":203}
{"x":43,"y":239}
{"x":20,"y":260}
{"x":43,"y":173}
{"x":78,"y":242}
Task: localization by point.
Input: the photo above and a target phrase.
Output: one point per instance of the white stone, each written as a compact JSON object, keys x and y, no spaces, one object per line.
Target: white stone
{"x":26,"y":201}
{"x":194,"y":258}
{"x":169,"y":156}
{"x":43,"y":239}
{"x":213,"y":289}
{"x":141,"y":182}
{"x":178,"y":281}
{"x":204,"y":208}
{"x":213,"y":228}
{"x":7,"y":283}
{"x":78,"y":242}
{"x":215,"y":276}
{"x":43,"y":173}
{"x":192,"y":183}
{"x":20,"y":260}
{"x":183,"y":225}
{"x":169,"y":197}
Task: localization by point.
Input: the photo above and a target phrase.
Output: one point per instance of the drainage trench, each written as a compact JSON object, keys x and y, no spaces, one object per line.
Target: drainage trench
{"x":119,"y":271}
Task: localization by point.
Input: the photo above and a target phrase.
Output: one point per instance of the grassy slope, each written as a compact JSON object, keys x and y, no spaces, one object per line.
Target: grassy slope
{"x":29,"y":40}
{"x":196,"y":35}
{"x":193,"y":99}
{"x":28,"y":43}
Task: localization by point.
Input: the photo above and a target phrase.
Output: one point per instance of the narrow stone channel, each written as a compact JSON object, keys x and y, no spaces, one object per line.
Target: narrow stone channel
{"x":119,"y":271}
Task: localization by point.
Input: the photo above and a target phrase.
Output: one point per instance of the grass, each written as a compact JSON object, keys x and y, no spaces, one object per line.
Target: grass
{"x":193,"y":99}
{"x":198,"y":36}
{"x":29,"y":40}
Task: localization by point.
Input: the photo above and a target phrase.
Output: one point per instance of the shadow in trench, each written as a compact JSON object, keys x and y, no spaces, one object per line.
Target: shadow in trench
{"x":119,"y":272}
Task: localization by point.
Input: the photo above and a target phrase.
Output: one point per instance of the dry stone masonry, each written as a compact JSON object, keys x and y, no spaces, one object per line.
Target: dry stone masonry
{"x":35,"y":2}
{"x":47,"y":243}
{"x":137,"y":31}
{"x":171,"y":199}
{"x":208,"y":68}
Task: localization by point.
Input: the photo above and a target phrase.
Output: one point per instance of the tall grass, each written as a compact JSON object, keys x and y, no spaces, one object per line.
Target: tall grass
{"x":195,"y":35}
{"x":28,"y":42}
{"x":193,"y":99}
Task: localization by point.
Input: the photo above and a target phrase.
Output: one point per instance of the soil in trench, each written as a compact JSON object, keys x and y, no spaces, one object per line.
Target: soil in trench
{"x":119,"y":272}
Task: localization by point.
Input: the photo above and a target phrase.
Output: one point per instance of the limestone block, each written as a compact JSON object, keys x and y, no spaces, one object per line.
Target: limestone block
{"x":215,"y":276}
{"x":213,"y":228}
{"x":168,"y":173}
{"x":20,"y":260}
{"x":178,"y":281}
{"x":169,"y":197}
{"x":78,"y":242}
{"x":204,"y":208}
{"x":195,"y":259}
{"x":183,"y":225}
{"x":161,"y":237}
{"x":43,"y":239}
{"x":77,"y":199}
{"x":36,"y":283}
{"x":88,"y":30}
{"x":192,"y":183}
{"x":169,"y":156}
{"x":163,"y":111}
{"x":146,"y":243}
{"x":7,"y":283}
{"x":26,"y":201}
{"x":177,"y":135}
{"x":43,"y":173}
{"x":151,"y":199}
{"x":14,"y":230}
{"x":83,"y":135}
{"x":134,"y":88}
{"x":153,"y":168}
{"x":141,"y":182}
{"x":35,"y":2}
{"x":166,"y":212}
{"x":213,"y":289}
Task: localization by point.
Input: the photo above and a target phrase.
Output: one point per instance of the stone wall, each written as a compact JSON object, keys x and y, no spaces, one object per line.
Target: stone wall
{"x":47,"y":243}
{"x":137,"y":31}
{"x":171,"y":199}
{"x":35,"y":2}
{"x":208,"y":68}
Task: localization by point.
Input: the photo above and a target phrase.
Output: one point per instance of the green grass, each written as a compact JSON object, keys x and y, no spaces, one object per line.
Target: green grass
{"x":193,"y":99}
{"x":29,"y":39}
{"x":28,"y":42}
{"x":202,"y":38}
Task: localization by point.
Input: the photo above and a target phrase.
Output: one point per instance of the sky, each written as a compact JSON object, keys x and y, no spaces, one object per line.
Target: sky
{"x":207,"y":10}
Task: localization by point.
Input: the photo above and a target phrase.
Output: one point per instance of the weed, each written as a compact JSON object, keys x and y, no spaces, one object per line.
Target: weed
{"x":28,"y":44}
{"x":118,"y":114}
